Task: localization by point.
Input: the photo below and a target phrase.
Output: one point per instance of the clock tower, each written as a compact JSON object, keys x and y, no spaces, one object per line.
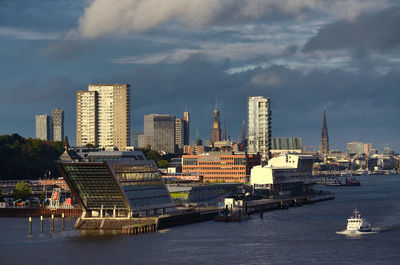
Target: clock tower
{"x":216,"y":128}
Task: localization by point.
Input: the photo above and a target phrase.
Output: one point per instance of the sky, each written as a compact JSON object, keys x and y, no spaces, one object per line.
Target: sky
{"x":177,"y":54}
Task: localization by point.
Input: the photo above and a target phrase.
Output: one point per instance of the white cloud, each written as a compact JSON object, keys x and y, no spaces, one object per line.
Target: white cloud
{"x":28,"y":35}
{"x":104,"y":17}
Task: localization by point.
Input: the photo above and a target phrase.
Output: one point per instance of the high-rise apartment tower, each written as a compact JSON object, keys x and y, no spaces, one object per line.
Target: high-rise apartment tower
{"x":57,"y":118}
{"x":179,"y":134}
{"x":50,"y":127}
{"x":259,"y":126}
{"x":103,"y":116}
{"x":186,"y":125}
{"x":43,"y":127}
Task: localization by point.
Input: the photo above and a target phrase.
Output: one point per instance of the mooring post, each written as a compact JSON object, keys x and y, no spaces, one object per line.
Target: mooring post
{"x":261,"y":212}
{"x":41,"y":224}
{"x":30,"y":226}
{"x":62,"y":222}
{"x":52,"y":223}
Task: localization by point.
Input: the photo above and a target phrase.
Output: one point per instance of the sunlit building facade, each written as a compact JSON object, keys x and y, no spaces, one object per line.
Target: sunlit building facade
{"x":103,"y":116}
{"x":50,"y":127}
{"x":115,"y":187}
{"x":259,"y":126}
{"x":220,"y":166}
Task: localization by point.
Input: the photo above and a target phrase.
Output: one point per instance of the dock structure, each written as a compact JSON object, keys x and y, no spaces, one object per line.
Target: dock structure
{"x":40,"y":211}
{"x":283,"y":203}
{"x":141,"y":228}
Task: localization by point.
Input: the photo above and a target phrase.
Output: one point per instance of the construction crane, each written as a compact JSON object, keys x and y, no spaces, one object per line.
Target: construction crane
{"x":310,"y":146}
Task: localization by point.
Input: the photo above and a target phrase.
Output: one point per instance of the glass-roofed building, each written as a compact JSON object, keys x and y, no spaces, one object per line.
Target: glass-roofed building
{"x":109,"y":187}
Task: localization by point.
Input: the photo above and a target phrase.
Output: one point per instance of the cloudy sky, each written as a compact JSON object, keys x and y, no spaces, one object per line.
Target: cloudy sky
{"x":177,"y":54}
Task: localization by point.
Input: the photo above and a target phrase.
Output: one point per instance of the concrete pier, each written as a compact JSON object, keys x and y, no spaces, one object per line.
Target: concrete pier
{"x":285,"y":203}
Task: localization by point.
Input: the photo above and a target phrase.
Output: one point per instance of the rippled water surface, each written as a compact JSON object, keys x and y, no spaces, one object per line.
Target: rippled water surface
{"x":312,"y":234}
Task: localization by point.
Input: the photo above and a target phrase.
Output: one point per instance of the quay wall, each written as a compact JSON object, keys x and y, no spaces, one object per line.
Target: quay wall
{"x":37,"y":212}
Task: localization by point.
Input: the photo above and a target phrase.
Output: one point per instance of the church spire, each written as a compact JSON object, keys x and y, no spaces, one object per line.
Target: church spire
{"x":243,"y":132}
{"x":224,"y":133}
{"x":324,"y":121}
{"x":324,"y":147}
{"x":216,"y":111}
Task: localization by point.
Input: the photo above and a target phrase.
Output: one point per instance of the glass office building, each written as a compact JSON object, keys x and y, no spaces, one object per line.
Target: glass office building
{"x":119,"y":188}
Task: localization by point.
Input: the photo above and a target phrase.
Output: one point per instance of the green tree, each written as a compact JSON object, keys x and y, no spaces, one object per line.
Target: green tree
{"x":162,"y":163}
{"x":42,"y":196}
{"x":153,"y":155}
{"x":22,"y":191}
{"x":90,"y":146}
{"x":59,"y":146}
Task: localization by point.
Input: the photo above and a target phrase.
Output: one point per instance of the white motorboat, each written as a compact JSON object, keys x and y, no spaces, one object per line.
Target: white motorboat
{"x":357,"y":224}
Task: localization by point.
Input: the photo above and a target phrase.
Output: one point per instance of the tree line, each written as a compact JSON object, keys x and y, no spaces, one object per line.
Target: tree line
{"x":27,"y":158}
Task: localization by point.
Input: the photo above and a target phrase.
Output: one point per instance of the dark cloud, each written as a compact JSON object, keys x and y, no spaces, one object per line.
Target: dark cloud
{"x":373,"y":31}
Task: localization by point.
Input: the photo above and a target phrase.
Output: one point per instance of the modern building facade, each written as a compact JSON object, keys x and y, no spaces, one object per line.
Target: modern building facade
{"x":203,"y":193}
{"x":135,"y":138}
{"x":286,"y":144}
{"x":103,"y":116}
{"x":114,"y":186}
{"x":57,"y":118}
{"x":50,"y":127}
{"x":220,"y":166}
{"x":324,"y":146}
{"x":186,"y":126}
{"x":216,"y":125}
{"x":285,"y":175}
{"x":86,"y":118}
{"x":159,"y":132}
{"x":179,"y":134}
{"x":43,"y":127}
{"x":359,"y":148}
{"x":259,"y":126}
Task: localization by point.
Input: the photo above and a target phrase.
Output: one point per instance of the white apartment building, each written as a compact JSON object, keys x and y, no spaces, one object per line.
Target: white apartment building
{"x":259,"y":126}
{"x":103,"y":116}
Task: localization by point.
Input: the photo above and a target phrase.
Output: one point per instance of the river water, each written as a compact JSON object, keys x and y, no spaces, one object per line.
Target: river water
{"x":300,"y":235}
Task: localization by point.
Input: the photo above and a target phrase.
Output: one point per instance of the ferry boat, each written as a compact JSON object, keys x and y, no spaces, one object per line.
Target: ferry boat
{"x":332,"y":182}
{"x":357,"y":224}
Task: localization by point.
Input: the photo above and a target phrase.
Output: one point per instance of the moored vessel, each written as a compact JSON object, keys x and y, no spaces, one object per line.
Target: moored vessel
{"x":332,"y":182}
{"x":352,"y":182}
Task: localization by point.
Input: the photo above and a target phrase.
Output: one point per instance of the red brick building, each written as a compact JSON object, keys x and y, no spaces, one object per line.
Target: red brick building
{"x":55,"y":182}
{"x":220,"y":166}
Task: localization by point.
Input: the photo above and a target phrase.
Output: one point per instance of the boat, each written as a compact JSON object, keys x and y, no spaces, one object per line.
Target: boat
{"x":357,"y":224}
{"x":345,"y":174}
{"x":332,"y":182}
{"x":352,"y":182}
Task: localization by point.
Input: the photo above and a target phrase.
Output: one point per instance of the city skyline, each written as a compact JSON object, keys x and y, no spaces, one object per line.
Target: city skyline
{"x":302,"y":56}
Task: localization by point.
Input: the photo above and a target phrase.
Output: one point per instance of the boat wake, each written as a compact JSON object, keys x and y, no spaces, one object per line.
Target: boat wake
{"x":357,"y":233}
